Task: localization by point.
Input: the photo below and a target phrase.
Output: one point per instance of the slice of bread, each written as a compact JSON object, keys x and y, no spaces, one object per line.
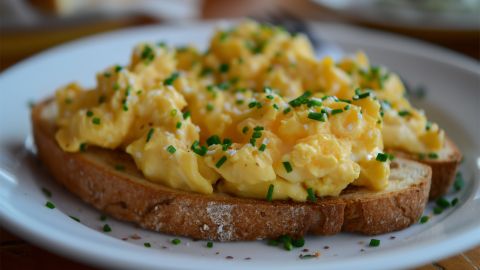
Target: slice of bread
{"x":125,"y":194}
{"x":443,"y":167}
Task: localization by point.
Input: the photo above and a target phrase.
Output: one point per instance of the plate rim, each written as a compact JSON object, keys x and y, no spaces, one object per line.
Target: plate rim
{"x":77,"y":253}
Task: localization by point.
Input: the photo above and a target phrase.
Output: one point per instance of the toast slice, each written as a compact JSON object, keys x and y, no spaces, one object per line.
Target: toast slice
{"x":443,"y":167}
{"x":126,"y":195}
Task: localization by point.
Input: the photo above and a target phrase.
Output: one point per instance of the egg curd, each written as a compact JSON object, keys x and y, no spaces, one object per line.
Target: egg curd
{"x":256,"y":115}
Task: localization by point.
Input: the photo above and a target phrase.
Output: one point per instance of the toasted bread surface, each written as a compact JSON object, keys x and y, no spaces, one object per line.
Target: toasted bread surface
{"x":125,"y":194}
{"x":444,"y":167}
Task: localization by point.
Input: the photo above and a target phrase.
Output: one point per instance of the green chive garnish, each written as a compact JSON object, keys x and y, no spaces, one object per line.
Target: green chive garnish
{"x":287,"y":245}
{"x":404,"y":113}
{"x":171,"y":79}
{"x":150,"y":134}
{"x":336,"y":111}
{"x":148,"y":245}
{"x":287,"y":166}
{"x":303,"y":99}
{"x":432,"y":155}
{"x":454,"y":201}
{"x":245,"y":129}
{"x":442,"y":202}
{"x":178,"y":125}
{"x":287,"y":110}
{"x":89,"y":113}
{"x":106,"y":228}
{"x":262,"y":147}
{"x":374,"y":243}
{"x":300,"y":242}
{"x":221,"y":161}
{"x":210,"y":107}
{"x":317,"y":116}
{"x":176,"y":241}
{"x":269,"y":196}
{"x":186,"y":115}
{"x":171,"y":149}
{"x":197,"y":149}
{"x":437,"y":210}
{"x":346,"y":108}
{"x":147,"y":54}
{"x":96,"y":121}
{"x":424,"y":219}
{"x":209,"y":244}
{"x":223,"y":68}
{"x":382,"y":157}
{"x":75,"y":218}
{"x":214,"y":139}
{"x":118,"y":68}
{"x":50,"y":205}
{"x":311,"y":195}
{"x":275,"y":106}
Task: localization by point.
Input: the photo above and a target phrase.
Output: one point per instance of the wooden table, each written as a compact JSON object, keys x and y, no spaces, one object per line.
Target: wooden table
{"x":17,"y":253}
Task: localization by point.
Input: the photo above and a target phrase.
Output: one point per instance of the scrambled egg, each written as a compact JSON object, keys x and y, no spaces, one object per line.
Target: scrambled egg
{"x":256,"y":115}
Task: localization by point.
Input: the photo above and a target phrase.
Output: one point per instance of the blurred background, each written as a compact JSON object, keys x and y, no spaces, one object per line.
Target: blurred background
{"x":30,"y":26}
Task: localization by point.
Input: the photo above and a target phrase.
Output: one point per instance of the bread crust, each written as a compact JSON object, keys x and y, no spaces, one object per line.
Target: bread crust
{"x":443,"y":170}
{"x":126,"y":195}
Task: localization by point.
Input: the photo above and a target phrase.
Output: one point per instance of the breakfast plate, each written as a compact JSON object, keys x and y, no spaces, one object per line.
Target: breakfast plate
{"x":67,"y":226}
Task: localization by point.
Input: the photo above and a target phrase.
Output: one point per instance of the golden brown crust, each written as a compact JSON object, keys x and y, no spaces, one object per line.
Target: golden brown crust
{"x":127,"y":196}
{"x":443,"y":169}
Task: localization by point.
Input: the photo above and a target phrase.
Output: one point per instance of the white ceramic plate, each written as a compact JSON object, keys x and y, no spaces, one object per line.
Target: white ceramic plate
{"x":452,"y":100}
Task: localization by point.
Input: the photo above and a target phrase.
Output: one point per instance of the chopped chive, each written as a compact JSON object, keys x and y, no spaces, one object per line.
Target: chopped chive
{"x":275,"y":106}
{"x":226,"y":143}
{"x":148,"y":245}
{"x":287,"y":245}
{"x":300,"y":242}
{"x":287,"y":166}
{"x":245,"y":129}
{"x":374,"y":243}
{"x":424,"y":219}
{"x":220,"y":162}
{"x":428,"y":126}
{"x":311,"y":195}
{"x":307,"y":256}
{"x":96,"y":121}
{"x":214,"y":139}
{"x":269,"y":96}
{"x":314,"y":103}
{"x":454,"y":202}
{"x":421,"y":156}
{"x":47,"y":192}
{"x":171,"y":79}
{"x":303,"y":99}
{"x":317,"y":116}
{"x":50,"y":205}
{"x":459,"y":183}
{"x":197,"y":149}
{"x":118,"y":68}
{"x":176,"y":241}
{"x":147,"y":54}
{"x":437,"y":210}
{"x":209,"y":244}
{"x":106,"y":228}
{"x":186,"y":115}
{"x":361,"y":96}
{"x":223,"y":86}
{"x":210,"y":107}
{"x":101,"y":99}
{"x":107,"y":74}
{"x":432,"y":155}
{"x":150,"y":134}
{"x":336,"y":111}
{"x":119,"y":167}
{"x":269,"y":196}
{"x":75,"y":218}
{"x":382,"y":157}
{"x":287,"y":110}
{"x":239,"y":101}
{"x":442,"y":202}
{"x":347,"y":107}
{"x":404,"y":113}
{"x":206,"y":71}
{"x":178,"y":125}
{"x":171,"y":149}
{"x":89,"y":113}
{"x":262,"y":147}
{"x":223,"y":68}
{"x":258,"y":128}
